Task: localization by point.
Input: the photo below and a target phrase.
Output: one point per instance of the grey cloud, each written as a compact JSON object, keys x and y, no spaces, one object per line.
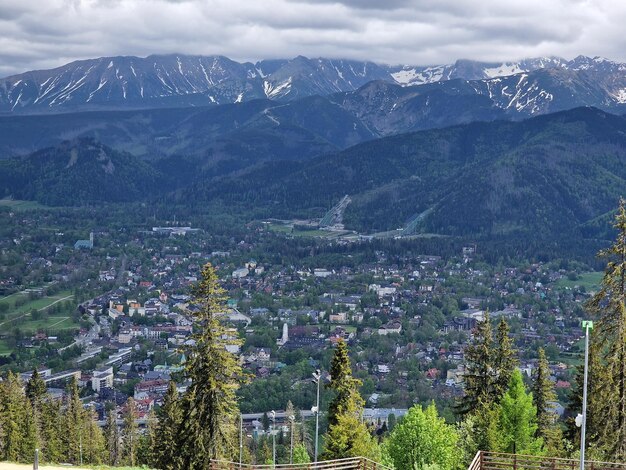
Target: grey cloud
{"x":36,"y":34}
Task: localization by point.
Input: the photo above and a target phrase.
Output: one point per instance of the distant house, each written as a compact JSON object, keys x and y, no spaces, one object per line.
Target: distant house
{"x":389,"y":328}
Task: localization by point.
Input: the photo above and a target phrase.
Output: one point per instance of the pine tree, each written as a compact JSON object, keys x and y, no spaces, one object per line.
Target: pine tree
{"x":504,"y":360}
{"x":51,"y":430}
{"x":29,"y":440}
{"x":609,"y":306}
{"x":94,"y":449}
{"x":479,"y":370}
{"x":347,"y":435}
{"x":130,"y":433}
{"x":515,"y":430}
{"x":544,"y":396}
{"x":112,"y":438}
{"x":36,"y":393}
{"x":165,"y":452}
{"x":73,"y":419}
{"x":36,"y":390}
{"x":11,"y":418}
{"x":346,"y":387}
{"x":210,"y":409}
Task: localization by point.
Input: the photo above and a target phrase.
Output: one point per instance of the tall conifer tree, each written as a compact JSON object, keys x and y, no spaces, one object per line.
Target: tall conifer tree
{"x":73,"y":419}
{"x":479,"y":365}
{"x":347,"y":435}
{"x":609,"y":307}
{"x":165,"y":452}
{"x":130,"y":433}
{"x":209,"y":406}
{"x":504,"y":360}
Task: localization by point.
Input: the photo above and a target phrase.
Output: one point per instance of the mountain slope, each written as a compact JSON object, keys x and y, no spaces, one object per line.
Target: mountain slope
{"x":543,"y":177}
{"x":76,"y":173}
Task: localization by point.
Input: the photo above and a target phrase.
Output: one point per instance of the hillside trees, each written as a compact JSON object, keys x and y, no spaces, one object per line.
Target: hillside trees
{"x":489,"y":366}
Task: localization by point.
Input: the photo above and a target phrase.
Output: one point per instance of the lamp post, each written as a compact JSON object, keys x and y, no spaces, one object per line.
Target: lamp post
{"x":273,"y":418}
{"x":292,"y":418}
{"x":317,"y":378}
{"x":240,"y":439}
{"x":587,"y":325}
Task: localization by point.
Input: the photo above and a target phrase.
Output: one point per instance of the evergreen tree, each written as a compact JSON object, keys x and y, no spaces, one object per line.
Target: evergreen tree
{"x":51,"y":430}
{"x":165,"y":452}
{"x":515,"y":430}
{"x":504,"y":360}
{"x":94,"y":449}
{"x":36,"y":390}
{"x":29,"y":440}
{"x":210,"y":411}
{"x":346,"y":387}
{"x":479,"y":370}
{"x":609,"y":306}
{"x":112,"y":438}
{"x":146,"y":445}
{"x":36,"y":393}
{"x":11,"y":418}
{"x":544,"y":399}
{"x":347,"y":435}
{"x":73,"y":419}
{"x":423,"y":440}
{"x":130,"y":433}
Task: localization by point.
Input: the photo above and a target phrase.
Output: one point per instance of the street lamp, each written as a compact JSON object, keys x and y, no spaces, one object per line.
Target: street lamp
{"x":273,"y":418}
{"x":240,"y":439}
{"x":317,"y":378}
{"x":292,"y":418}
{"x":587,"y":325}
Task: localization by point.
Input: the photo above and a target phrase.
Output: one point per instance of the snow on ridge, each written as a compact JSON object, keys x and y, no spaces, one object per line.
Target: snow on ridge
{"x":503,"y":70}
{"x":619,"y":95}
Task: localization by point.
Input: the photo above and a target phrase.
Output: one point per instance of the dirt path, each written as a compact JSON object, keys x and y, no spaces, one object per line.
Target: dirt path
{"x":18,"y":466}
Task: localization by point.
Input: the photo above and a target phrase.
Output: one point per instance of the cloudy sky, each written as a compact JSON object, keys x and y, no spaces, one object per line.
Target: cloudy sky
{"x":37,"y":34}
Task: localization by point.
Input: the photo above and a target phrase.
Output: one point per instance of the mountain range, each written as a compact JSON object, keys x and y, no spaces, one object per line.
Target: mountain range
{"x":548,"y":177}
{"x":180,"y":80}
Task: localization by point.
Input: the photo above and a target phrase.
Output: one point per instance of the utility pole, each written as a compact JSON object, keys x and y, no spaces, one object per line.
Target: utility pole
{"x":587,"y":325}
{"x":317,"y":377}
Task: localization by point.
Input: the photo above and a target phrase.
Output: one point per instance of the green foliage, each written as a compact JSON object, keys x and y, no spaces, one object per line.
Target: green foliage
{"x":516,"y":427}
{"x":130,"y":433}
{"x":165,"y":453}
{"x":346,"y":387}
{"x":209,"y":407}
{"x":478,"y":378}
{"x":423,"y":440}
{"x":544,"y":399}
{"x":505,"y":359}
{"x":608,"y":353}
{"x":112,"y":438}
{"x":300,"y":454}
{"x":347,"y":435}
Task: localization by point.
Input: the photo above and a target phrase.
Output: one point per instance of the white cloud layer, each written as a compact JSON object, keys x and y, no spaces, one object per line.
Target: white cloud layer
{"x":36,"y":34}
